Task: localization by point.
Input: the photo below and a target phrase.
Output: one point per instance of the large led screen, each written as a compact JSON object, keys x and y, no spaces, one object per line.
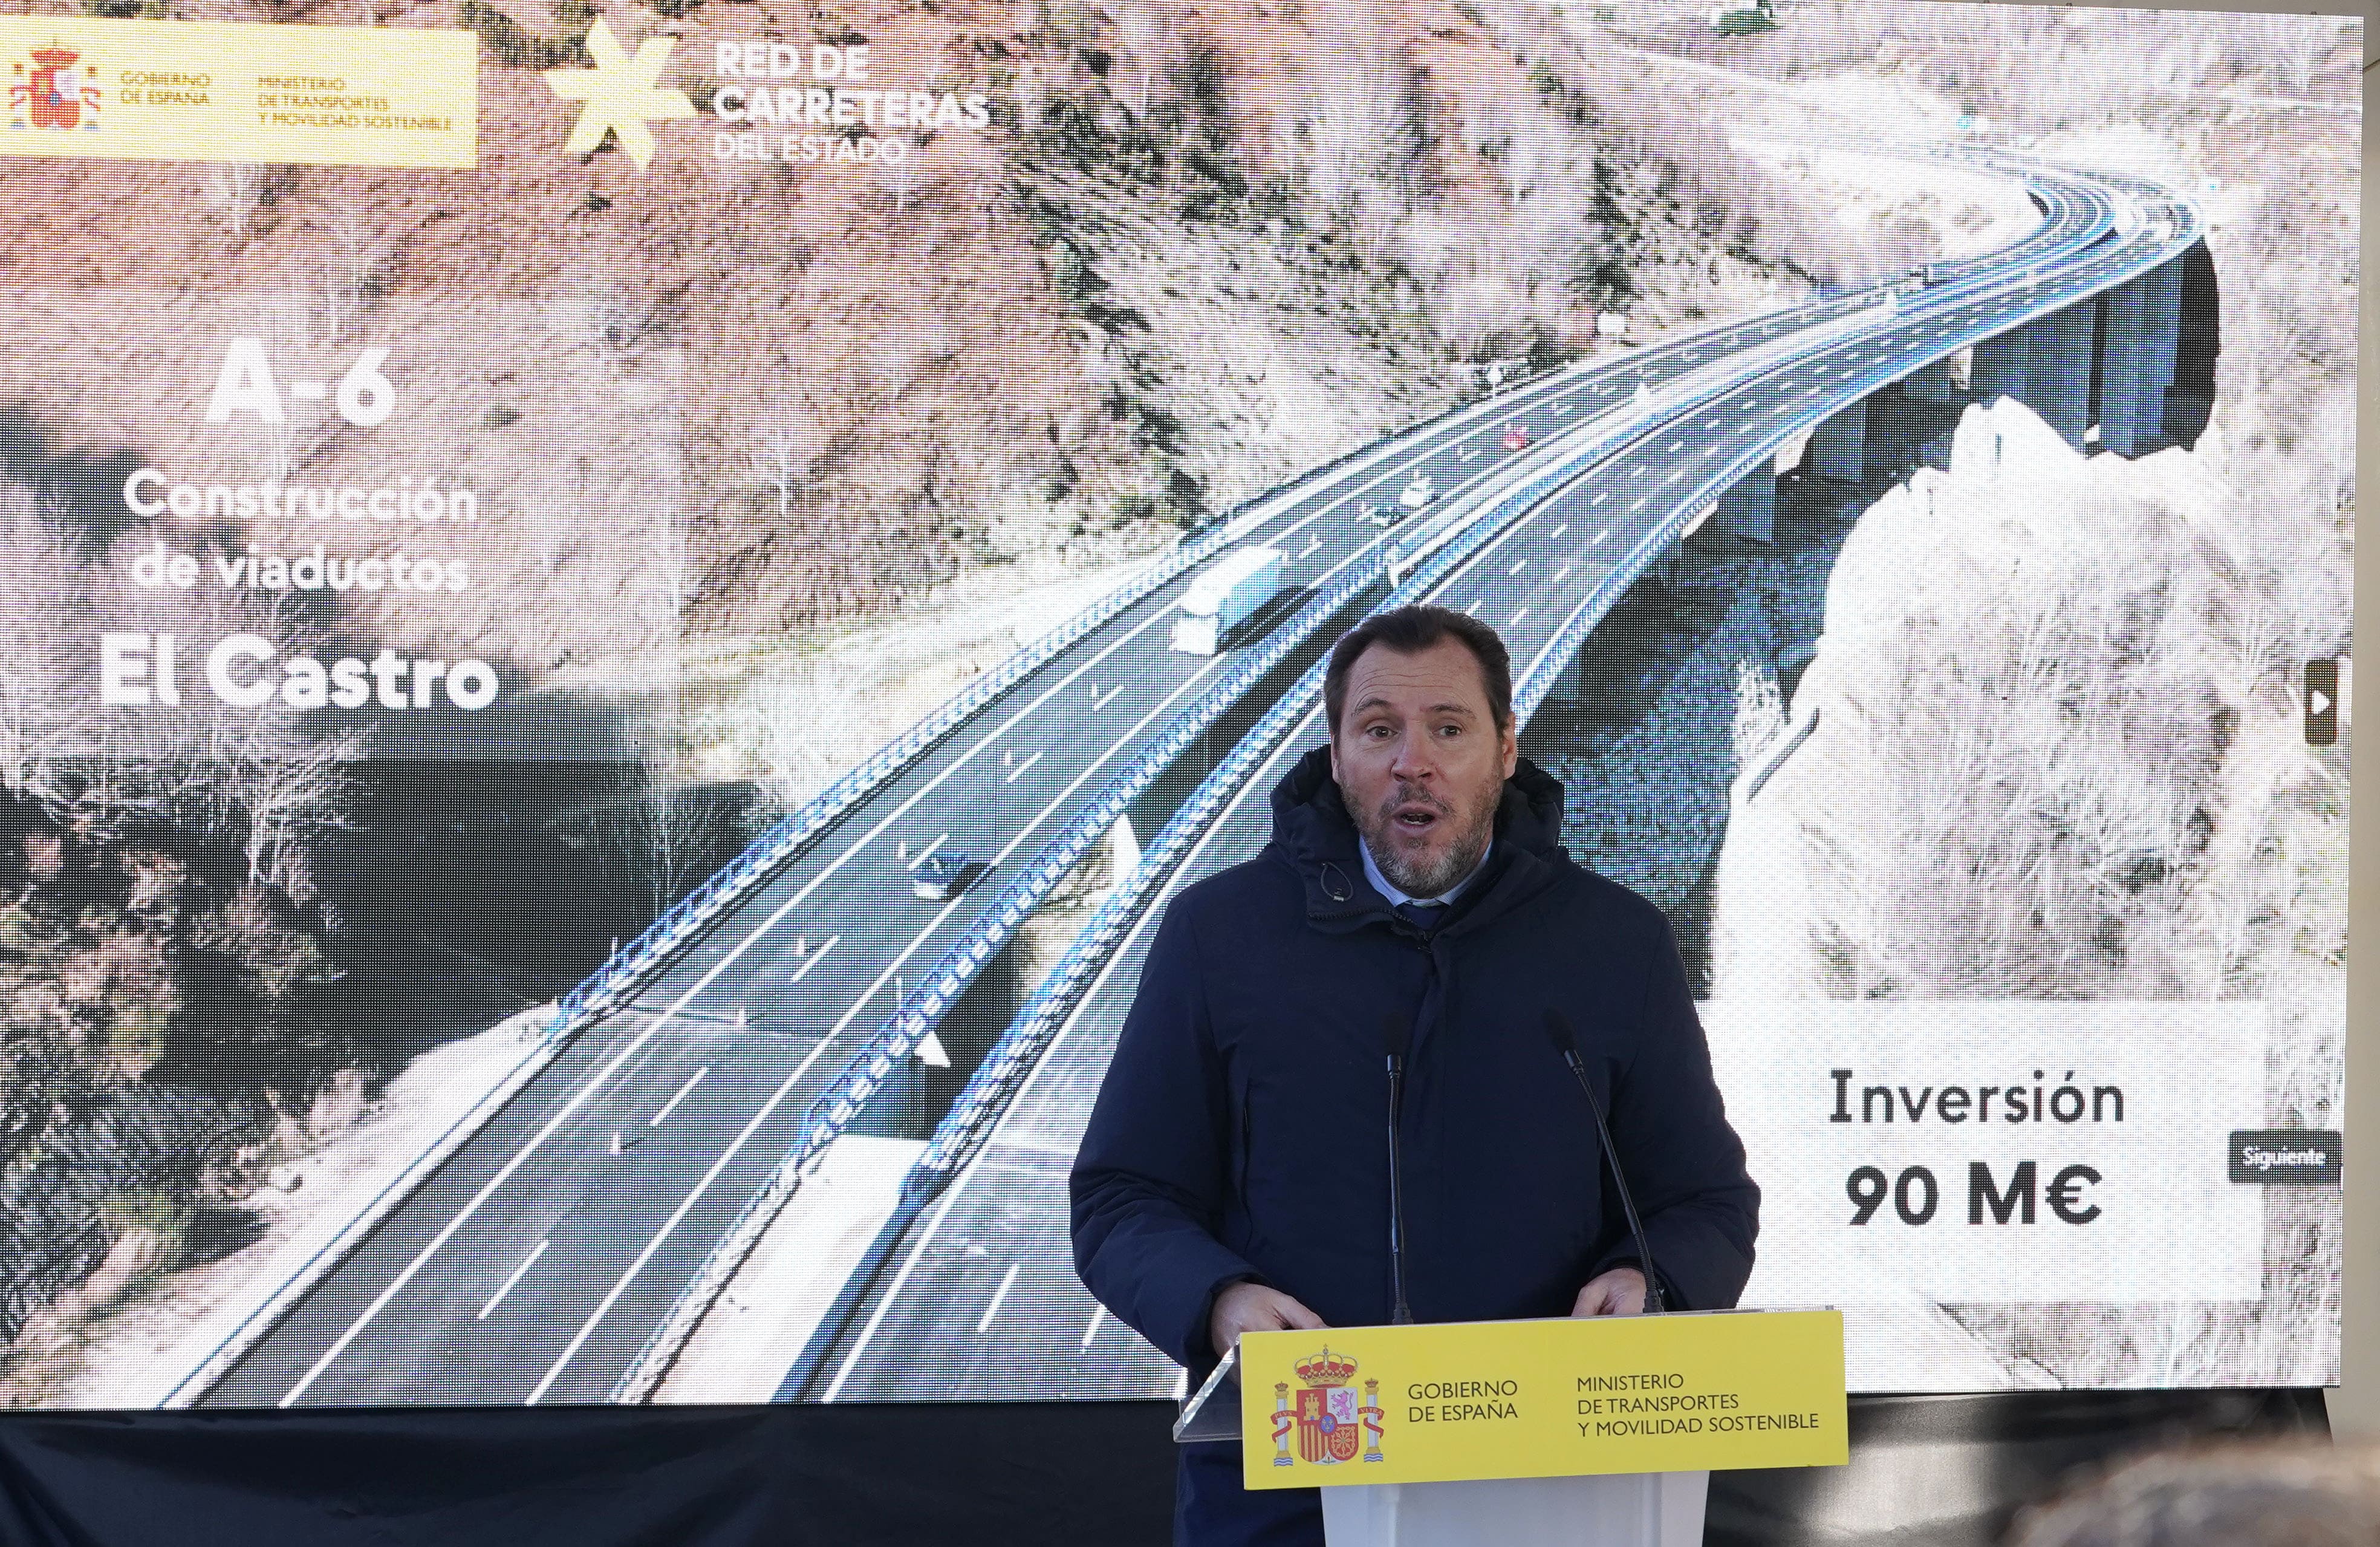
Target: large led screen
{"x":622,"y":618}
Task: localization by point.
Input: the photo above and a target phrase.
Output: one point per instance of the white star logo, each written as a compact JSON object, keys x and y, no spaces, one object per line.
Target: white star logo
{"x":619,"y":95}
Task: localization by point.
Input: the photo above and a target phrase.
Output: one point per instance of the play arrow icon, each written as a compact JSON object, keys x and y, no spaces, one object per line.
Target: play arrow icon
{"x":2322,"y":702}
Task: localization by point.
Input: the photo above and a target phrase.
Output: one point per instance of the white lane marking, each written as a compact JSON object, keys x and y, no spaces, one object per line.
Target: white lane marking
{"x":1517,"y":618}
{"x":1393,"y":469}
{"x":1467,"y":454}
{"x":1600,"y":536}
{"x":1600,"y":498}
{"x":928,"y":852}
{"x":504,"y":1174}
{"x":1556,"y":534}
{"x":683,"y":1092}
{"x":1312,"y":543}
{"x":813,"y":959}
{"x":1100,"y":701}
{"x":1099,"y":1314}
{"x":506,"y":1287}
{"x":916,"y":1254}
{"x":677,"y":1215}
{"x":1023,"y":766}
{"x":1292,"y":746}
{"x":1517,"y":567}
{"x":604,"y":1308}
{"x":1560,"y":573}
{"x":577,"y":1098}
{"x":1007,"y":1281}
{"x":1676,"y":446}
{"x":1637,"y":504}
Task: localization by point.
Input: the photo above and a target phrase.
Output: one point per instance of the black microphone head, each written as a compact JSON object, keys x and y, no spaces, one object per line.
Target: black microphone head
{"x":1396,"y":1035}
{"x":1557,"y":1033}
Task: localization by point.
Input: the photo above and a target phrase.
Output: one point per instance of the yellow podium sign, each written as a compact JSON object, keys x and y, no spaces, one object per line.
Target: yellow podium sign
{"x":239,"y":92}
{"x":1455,"y":1401}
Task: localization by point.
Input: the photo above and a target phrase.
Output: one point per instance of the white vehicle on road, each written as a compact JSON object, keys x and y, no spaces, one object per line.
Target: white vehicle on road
{"x":1419,"y":492}
{"x":1225,"y":596}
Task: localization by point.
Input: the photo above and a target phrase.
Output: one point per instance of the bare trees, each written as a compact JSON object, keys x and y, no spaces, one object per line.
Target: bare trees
{"x":236,"y":188}
{"x":1151,"y":46}
{"x":354,"y":268}
{"x":2055,"y":740}
{"x":2046,"y":67}
{"x":780,"y":449}
{"x":2287,"y":49}
{"x":1361,"y":138}
{"x":257,"y":781}
{"x":659,"y":839}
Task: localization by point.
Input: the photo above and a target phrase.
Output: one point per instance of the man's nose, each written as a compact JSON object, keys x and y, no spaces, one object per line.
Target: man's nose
{"x":1414,"y":760}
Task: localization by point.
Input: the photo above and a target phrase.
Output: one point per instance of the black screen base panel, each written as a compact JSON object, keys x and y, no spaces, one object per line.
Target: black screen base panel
{"x":1925,"y":1471}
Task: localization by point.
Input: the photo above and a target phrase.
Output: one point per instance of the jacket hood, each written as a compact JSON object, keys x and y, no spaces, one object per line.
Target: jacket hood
{"x":1314,"y":835}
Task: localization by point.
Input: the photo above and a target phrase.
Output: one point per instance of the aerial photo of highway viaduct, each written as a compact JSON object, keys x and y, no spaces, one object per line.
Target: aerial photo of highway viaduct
{"x":564,"y":1244}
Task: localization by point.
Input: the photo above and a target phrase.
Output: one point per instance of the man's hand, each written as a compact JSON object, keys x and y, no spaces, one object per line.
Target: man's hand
{"x":1618,"y":1292}
{"x":1245,"y":1307}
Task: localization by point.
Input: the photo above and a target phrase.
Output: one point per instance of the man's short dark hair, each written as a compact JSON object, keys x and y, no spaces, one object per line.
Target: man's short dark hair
{"x":1409,"y":631}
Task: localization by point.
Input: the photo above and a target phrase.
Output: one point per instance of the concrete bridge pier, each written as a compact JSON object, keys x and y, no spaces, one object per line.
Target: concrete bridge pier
{"x":1928,"y":384}
{"x":2161,"y":317}
{"x":2058,"y":368}
{"x":1999,"y":368}
{"x":1666,"y":564}
{"x":2123,"y":363}
{"x":1569,"y":690}
{"x":1839,"y":447}
{"x":1749,"y":506}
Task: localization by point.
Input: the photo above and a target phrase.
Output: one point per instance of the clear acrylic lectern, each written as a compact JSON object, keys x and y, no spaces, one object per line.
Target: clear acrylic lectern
{"x":1643,"y":1509}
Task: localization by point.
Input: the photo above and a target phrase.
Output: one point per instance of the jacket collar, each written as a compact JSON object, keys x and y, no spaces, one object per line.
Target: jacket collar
{"x":1312,"y":834}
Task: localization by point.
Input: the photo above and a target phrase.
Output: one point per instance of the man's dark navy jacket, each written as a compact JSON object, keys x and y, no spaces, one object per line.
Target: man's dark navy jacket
{"x":1241,"y":1132}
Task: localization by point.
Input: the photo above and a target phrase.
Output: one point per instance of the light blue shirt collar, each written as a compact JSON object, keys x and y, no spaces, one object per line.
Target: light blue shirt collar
{"x":1380,"y":882}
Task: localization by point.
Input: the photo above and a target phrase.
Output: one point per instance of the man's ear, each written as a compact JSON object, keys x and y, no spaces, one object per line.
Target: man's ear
{"x":1511,"y":737}
{"x":1334,"y":761}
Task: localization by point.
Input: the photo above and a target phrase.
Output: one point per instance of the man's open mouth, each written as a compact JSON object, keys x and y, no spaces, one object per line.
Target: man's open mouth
{"x":1414,"y":818}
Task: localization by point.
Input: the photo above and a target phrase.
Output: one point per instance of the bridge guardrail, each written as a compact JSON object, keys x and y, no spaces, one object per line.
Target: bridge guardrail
{"x":685,"y":919}
{"x":833,"y":1111}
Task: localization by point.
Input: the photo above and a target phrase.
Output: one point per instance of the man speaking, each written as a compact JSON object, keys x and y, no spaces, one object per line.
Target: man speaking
{"x":1414,"y":899}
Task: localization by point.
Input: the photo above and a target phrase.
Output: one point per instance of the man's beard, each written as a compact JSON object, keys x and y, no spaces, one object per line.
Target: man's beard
{"x":1421,"y":879}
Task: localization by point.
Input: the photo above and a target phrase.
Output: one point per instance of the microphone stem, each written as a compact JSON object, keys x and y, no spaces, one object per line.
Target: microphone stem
{"x":1402,"y":1315}
{"x":1627,"y":1203}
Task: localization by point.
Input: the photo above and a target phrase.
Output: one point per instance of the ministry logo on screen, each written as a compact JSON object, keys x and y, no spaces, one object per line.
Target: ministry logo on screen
{"x":56,"y":97}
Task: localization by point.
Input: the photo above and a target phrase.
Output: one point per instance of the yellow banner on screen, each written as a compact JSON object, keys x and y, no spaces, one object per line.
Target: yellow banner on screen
{"x":1466,"y":1400}
{"x":91,"y":88}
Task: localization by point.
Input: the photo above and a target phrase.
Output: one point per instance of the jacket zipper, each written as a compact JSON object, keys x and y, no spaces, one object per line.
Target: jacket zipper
{"x":1247,"y":1141}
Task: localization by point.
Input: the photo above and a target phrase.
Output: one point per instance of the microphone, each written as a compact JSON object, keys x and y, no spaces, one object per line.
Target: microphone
{"x":1558,"y":1031}
{"x":1397,"y":1033}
